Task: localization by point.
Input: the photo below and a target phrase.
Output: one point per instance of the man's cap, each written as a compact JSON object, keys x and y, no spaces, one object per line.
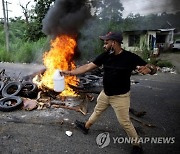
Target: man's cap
{"x":112,"y":36}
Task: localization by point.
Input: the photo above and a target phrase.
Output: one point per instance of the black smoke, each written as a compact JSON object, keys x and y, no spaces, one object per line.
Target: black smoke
{"x":66,"y":17}
{"x":175,"y":5}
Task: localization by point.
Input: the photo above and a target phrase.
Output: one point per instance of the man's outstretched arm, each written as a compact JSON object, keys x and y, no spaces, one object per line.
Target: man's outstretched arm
{"x":80,"y":70}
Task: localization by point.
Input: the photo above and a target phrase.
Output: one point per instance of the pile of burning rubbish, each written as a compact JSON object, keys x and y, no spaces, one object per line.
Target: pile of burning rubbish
{"x":16,"y":94}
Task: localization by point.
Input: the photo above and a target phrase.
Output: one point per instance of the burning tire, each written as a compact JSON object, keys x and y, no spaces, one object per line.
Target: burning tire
{"x":11,"y":89}
{"x":29,"y":89}
{"x":10,"y":103}
{"x":84,"y":81}
{"x":93,"y":77}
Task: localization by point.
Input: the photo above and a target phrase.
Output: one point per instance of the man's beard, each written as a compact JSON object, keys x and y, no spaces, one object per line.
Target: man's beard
{"x":110,"y":50}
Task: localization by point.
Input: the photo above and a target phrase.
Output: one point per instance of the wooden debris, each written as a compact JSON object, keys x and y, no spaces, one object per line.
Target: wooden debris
{"x":82,"y":107}
{"x":90,"y":97}
{"x":39,"y":95}
{"x":49,"y":92}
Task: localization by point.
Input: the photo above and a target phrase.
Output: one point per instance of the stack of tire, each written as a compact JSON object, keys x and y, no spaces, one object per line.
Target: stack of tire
{"x":12,"y":92}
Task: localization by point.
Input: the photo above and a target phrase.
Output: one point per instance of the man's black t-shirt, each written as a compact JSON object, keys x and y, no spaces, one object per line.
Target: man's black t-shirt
{"x":117,"y":70}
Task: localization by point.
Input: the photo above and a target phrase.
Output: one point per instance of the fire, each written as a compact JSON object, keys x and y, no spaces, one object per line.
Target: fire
{"x":59,"y":57}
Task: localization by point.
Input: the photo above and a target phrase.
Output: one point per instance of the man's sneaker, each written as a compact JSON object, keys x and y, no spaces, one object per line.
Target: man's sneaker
{"x":137,"y":150}
{"x":81,"y":126}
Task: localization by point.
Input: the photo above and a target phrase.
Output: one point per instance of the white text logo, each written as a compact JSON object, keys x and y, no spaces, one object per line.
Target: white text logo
{"x":103,"y":140}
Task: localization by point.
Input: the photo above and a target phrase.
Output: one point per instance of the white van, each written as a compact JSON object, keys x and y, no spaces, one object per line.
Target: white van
{"x":176,"y":44}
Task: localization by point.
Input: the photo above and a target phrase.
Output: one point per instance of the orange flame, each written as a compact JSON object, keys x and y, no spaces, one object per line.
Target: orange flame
{"x":59,"y":57}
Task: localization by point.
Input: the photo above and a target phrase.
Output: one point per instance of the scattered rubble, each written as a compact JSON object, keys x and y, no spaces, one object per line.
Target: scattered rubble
{"x":168,"y":70}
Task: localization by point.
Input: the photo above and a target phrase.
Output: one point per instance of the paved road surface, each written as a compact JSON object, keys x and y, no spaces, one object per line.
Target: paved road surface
{"x":41,"y":131}
{"x":19,"y":70}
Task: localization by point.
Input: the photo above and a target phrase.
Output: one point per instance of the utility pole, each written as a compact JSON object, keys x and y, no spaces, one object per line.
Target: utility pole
{"x":6,"y":29}
{"x":7,"y":17}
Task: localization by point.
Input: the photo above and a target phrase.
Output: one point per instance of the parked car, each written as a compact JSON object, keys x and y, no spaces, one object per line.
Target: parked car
{"x":176,"y":45}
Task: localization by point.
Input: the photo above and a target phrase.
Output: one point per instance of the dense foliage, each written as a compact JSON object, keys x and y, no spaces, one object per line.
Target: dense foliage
{"x":34,"y":29}
{"x":27,"y":39}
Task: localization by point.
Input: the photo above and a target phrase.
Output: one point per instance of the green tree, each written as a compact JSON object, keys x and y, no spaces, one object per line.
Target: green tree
{"x":34,"y":30}
{"x":109,"y":10}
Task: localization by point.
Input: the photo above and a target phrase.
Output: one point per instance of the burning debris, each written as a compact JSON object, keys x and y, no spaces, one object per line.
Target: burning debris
{"x":63,"y":22}
{"x":59,"y":57}
{"x":26,"y":95}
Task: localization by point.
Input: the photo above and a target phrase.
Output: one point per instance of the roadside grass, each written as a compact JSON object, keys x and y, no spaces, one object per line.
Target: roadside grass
{"x":24,"y":52}
{"x":164,"y":63}
{"x":5,"y":56}
{"x":161,"y":63}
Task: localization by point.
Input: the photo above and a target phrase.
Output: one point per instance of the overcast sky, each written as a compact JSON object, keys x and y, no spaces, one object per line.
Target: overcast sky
{"x":143,"y":7}
{"x":14,"y":8}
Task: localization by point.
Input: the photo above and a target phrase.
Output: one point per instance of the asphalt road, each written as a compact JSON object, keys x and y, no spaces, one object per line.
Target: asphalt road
{"x":42,"y":131}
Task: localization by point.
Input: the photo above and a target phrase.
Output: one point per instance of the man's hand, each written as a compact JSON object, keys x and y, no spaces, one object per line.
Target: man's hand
{"x":147,"y":69}
{"x":143,"y":69}
{"x":66,"y":73}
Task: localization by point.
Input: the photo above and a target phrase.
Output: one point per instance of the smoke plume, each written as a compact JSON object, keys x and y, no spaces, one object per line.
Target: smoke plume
{"x":66,"y":17}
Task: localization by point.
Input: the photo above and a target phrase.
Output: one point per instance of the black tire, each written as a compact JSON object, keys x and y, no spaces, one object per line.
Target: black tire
{"x":10,"y":103}
{"x":84,"y":81}
{"x":29,"y":89}
{"x":12,"y":89}
{"x":92,"y":77}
